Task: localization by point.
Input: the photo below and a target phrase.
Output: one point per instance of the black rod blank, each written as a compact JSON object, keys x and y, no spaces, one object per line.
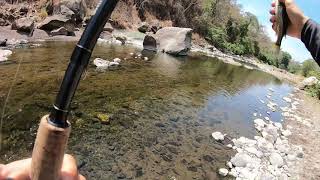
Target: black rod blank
{"x":79,"y":62}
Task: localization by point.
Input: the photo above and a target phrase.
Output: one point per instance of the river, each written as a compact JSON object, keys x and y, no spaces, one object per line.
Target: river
{"x":162,"y":112}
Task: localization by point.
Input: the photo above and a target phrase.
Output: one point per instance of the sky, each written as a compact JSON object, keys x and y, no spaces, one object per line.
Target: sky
{"x":295,"y":47}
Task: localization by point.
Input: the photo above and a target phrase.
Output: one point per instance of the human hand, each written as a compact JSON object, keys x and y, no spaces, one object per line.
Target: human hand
{"x":21,"y":170}
{"x":296,"y":16}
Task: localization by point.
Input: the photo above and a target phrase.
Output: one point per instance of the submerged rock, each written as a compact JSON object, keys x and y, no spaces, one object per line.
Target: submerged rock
{"x":101,"y":64}
{"x":150,"y":43}
{"x":4,"y":54}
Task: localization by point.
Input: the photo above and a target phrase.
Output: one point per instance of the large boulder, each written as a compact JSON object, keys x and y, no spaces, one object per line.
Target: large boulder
{"x":308,"y":82}
{"x":56,"y":22}
{"x":25,"y":25}
{"x":150,"y":43}
{"x":174,"y":40}
{"x":79,"y":7}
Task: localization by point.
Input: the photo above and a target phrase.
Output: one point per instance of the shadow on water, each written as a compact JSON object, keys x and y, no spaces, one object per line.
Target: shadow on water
{"x":162,"y":112}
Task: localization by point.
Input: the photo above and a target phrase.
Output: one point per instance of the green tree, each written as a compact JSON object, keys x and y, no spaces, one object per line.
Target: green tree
{"x":309,"y":66}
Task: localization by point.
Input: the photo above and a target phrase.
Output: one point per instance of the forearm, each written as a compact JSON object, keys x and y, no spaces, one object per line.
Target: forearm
{"x":310,"y":36}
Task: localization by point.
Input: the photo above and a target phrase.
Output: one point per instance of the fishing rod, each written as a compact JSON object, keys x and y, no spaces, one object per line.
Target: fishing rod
{"x":54,"y":129}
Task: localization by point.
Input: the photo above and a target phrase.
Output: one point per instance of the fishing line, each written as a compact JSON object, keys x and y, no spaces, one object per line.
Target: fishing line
{"x":6,"y":101}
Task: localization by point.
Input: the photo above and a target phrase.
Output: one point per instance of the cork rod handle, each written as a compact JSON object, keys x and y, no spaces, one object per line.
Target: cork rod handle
{"x":48,"y":152}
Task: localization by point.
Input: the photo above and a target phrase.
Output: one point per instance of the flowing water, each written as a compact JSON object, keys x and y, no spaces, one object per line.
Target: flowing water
{"x":162,"y":112}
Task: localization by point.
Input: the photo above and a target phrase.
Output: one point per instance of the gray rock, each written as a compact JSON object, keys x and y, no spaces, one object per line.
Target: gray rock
{"x":3,"y":43}
{"x":79,"y":8}
{"x":68,"y":13}
{"x":122,"y":39}
{"x":310,"y":81}
{"x":4,"y":22}
{"x":175,"y":41}
{"x":144,"y":27}
{"x":61,"y":31}
{"x":25,"y":25}
{"x":56,"y":22}
{"x":150,"y":43}
{"x":108,"y":27}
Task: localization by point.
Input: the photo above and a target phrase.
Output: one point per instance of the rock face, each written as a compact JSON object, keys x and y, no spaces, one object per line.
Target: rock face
{"x":175,"y":41}
{"x":25,"y":25}
{"x":56,"y":22}
{"x":150,"y":43}
{"x":308,"y":82}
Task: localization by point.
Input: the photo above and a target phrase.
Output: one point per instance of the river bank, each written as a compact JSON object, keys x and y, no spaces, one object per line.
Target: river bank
{"x":307,"y":109}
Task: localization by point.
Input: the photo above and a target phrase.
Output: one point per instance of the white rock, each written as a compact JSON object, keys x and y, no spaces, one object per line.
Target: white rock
{"x":276,"y":160}
{"x":287,"y":99}
{"x":229,"y":145}
{"x":286,"y":133}
{"x":229,"y":164}
{"x":223,"y":172}
{"x":310,"y":81}
{"x":101,"y":63}
{"x":233,"y":173}
{"x":131,"y":54}
{"x":117,"y":60}
{"x":241,"y":160}
{"x":278,"y":125}
{"x":218,"y":136}
{"x":114,"y":64}
{"x":267,"y":118}
{"x":259,"y":122}
{"x":255,"y":114}
{"x":270,"y":89}
{"x":146,"y":58}
{"x":4,"y":54}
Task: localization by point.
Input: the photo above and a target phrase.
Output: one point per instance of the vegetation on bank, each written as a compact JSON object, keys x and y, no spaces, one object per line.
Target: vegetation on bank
{"x":307,"y":69}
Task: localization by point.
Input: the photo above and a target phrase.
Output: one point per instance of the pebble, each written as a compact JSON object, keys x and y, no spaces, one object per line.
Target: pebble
{"x":4,"y":54}
{"x":223,"y":172}
{"x":117,"y":60}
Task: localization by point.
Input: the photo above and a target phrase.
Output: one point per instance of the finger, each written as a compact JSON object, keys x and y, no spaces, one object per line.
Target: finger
{"x":272,"y":11}
{"x":274,"y":27}
{"x":273,"y":4}
{"x":81,"y":177}
{"x":273,"y":19}
{"x":69,"y":170}
{"x":283,"y":1}
{"x":17,"y":170}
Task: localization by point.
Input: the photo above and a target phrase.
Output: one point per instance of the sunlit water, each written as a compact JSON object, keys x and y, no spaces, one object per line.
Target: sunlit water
{"x":162,"y":112}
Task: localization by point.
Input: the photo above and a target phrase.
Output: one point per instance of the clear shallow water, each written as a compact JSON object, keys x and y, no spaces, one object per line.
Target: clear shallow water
{"x":162,"y":112}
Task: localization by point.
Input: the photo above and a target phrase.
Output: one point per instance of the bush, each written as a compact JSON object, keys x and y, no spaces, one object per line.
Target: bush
{"x":314,"y":91}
